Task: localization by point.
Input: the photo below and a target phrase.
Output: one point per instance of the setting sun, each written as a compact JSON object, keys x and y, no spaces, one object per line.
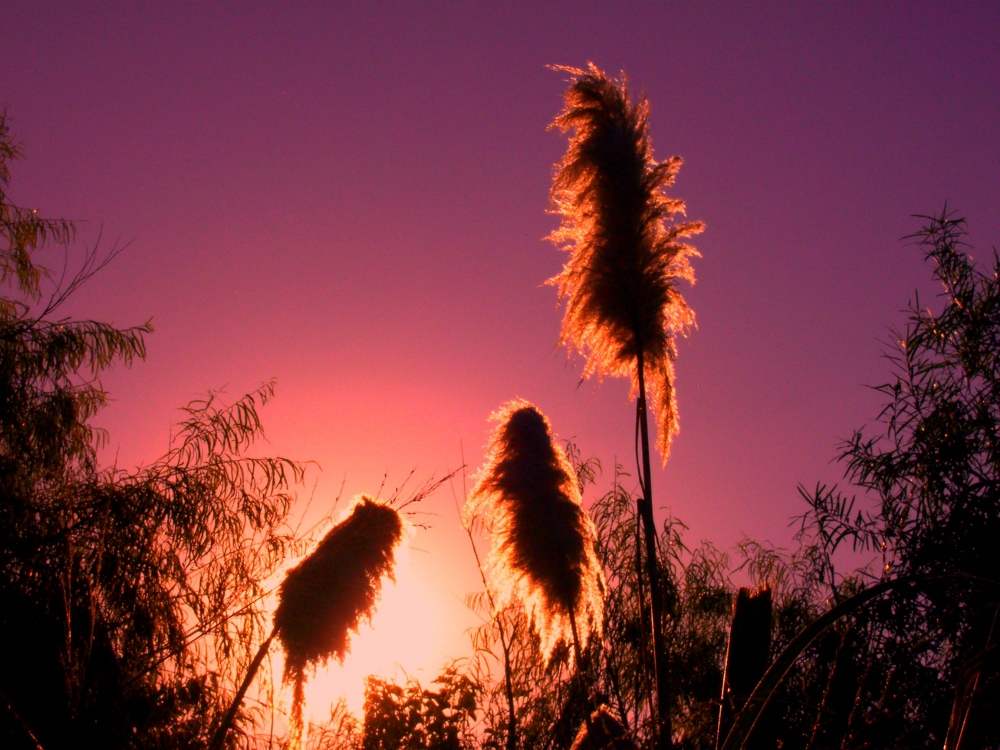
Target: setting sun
{"x":400,"y":640}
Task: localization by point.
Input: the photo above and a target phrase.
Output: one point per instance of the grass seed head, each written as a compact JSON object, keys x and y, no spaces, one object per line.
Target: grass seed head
{"x":543,"y":540}
{"x":325,"y":597}
{"x":626,"y":253}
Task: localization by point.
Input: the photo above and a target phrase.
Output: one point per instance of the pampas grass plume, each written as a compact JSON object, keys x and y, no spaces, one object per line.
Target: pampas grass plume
{"x":326,"y":596}
{"x":543,"y":540}
{"x":626,"y":256}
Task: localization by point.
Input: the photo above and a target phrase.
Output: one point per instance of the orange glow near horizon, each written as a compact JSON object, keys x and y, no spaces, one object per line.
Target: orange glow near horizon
{"x":400,"y":640}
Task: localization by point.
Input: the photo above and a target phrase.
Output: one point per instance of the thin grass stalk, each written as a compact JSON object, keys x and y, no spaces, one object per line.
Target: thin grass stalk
{"x":21,"y":722}
{"x":504,"y":645}
{"x":966,"y":686}
{"x":509,"y":690}
{"x":644,"y":683}
{"x":664,"y":726}
{"x":965,"y":692}
{"x":220,"y":734}
{"x":580,"y":676}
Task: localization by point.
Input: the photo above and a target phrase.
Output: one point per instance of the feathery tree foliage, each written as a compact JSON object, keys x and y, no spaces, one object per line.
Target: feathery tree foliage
{"x":623,"y":308}
{"x":127,"y":600}
{"x":930,"y":471}
{"x":916,"y":668}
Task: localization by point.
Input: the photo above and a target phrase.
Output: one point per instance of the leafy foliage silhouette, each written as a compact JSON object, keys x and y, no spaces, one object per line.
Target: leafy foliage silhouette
{"x":929,"y":468}
{"x":414,"y":718}
{"x":128,"y":598}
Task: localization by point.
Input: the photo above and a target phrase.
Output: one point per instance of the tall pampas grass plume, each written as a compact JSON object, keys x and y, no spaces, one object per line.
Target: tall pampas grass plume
{"x":626,"y":253}
{"x":543,"y":541}
{"x":327,"y":595}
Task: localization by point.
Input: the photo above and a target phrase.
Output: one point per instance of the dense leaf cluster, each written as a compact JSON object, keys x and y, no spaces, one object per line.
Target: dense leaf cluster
{"x":412,"y":718}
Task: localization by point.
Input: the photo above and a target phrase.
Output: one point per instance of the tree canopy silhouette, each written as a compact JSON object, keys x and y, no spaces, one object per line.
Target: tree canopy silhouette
{"x":126,"y":598}
{"x":929,"y":472}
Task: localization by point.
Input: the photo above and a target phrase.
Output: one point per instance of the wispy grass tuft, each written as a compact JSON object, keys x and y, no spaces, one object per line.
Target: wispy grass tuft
{"x":626,"y":254}
{"x":543,"y":540}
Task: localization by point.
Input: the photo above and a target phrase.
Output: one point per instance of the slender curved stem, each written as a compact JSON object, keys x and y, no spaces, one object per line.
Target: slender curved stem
{"x":747,"y":718}
{"x":578,"y":653}
{"x":663,"y":698}
{"x":220,"y":733}
{"x":505,"y":645}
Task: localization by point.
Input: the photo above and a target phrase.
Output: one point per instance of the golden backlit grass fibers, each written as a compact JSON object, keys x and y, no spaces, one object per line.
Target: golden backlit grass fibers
{"x":543,"y":540}
{"x":626,"y":256}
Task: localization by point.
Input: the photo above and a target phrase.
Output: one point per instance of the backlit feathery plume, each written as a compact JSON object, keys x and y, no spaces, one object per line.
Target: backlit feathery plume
{"x":543,"y":540}
{"x":626,"y":253}
{"x":327,"y":595}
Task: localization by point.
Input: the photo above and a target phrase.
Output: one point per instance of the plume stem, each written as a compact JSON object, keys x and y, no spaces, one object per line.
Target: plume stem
{"x":220,"y":733}
{"x":498,"y":621}
{"x":664,"y":728}
{"x":578,"y":653}
{"x":509,"y":689}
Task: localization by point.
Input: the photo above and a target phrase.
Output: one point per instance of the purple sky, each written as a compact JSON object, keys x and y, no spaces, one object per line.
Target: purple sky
{"x":352,"y":198}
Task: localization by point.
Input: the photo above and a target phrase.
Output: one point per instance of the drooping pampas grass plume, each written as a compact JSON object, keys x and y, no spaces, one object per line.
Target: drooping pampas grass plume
{"x":543,"y":540}
{"x":626,"y":254}
{"x":329,"y":593}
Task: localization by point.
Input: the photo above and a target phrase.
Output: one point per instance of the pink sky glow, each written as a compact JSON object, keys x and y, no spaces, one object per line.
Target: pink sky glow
{"x":351,"y":198}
